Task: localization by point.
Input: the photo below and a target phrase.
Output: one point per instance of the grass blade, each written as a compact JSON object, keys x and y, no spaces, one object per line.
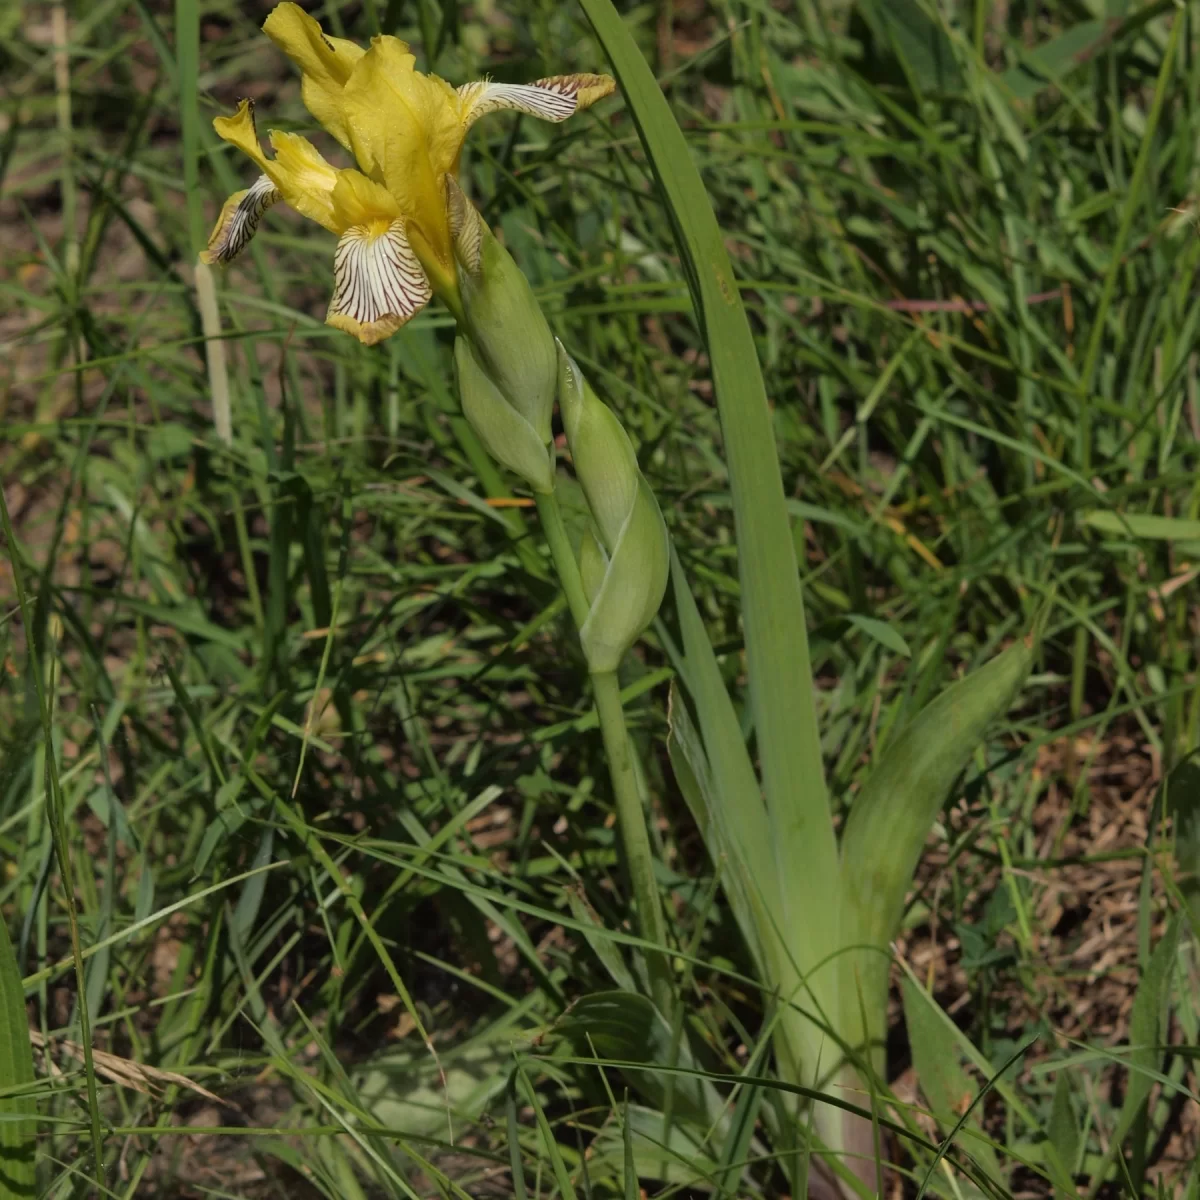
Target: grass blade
{"x":945,"y":1083}
{"x":17,"y":1138}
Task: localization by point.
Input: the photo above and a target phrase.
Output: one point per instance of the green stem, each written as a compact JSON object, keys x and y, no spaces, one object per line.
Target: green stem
{"x":631,"y":816}
{"x":562,"y":555}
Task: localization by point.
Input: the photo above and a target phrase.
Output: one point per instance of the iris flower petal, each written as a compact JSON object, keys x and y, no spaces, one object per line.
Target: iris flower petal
{"x":239,"y":220}
{"x":378,"y":282}
{"x":552,"y":99}
{"x":304,"y":179}
{"x":405,"y":134}
{"x":405,"y":227}
{"x":326,"y":63}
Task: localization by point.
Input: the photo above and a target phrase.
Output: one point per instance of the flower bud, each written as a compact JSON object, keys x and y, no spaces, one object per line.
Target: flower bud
{"x":624,"y":558}
{"x":505,"y":433}
{"x":501,"y":316}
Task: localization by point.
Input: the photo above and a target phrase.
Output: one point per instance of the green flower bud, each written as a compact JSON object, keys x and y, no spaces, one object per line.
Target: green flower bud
{"x":501,"y":316}
{"x":505,"y":433}
{"x":624,"y":560}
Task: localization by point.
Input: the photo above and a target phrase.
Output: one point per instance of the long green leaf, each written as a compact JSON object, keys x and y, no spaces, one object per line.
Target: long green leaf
{"x":1063,"y":1134}
{"x":17,"y":1138}
{"x":724,"y":840}
{"x":781,"y":691}
{"x":718,"y":782}
{"x":1147,"y":1023}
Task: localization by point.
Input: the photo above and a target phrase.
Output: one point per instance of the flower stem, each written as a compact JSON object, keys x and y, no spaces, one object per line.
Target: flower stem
{"x":631,"y":816}
{"x":562,"y":554}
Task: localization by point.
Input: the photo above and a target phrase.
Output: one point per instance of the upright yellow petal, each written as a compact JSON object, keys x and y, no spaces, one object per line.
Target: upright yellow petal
{"x":326,"y":63}
{"x":405,"y":132}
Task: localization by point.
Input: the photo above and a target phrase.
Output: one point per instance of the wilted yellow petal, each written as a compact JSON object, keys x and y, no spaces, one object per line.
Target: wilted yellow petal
{"x":304,"y":179}
{"x":326,"y":63}
{"x":239,"y":131}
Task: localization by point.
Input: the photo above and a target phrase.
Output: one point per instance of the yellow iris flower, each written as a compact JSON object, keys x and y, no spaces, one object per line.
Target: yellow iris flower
{"x":396,"y":216}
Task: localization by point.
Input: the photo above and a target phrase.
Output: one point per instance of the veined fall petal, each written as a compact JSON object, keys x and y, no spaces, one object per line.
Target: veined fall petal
{"x":239,"y":220}
{"x":553,"y":99}
{"x":378,"y":282}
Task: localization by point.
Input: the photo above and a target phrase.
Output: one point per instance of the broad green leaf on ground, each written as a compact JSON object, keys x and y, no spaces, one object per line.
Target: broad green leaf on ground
{"x":1054,"y":59}
{"x":625,"y":1026}
{"x":1181,"y":801}
{"x":661,"y":1150}
{"x":402,"y":1088}
{"x":904,"y":29}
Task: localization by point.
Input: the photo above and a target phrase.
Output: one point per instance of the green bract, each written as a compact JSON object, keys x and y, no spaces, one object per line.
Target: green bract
{"x":624,"y":560}
{"x":501,"y":316}
{"x":506,"y":434}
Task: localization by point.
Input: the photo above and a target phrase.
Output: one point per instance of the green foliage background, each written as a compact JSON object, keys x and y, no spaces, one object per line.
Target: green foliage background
{"x":316,"y":719}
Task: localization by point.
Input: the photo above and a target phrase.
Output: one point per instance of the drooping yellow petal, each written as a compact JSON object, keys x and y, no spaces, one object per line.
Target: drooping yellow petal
{"x":239,"y":220}
{"x":326,"y":63}
{"x":552,"y":99}
{"x":405,"y":132}
{"x":378,"y":282}
{"x":304,"y":179}
{"x":298,"y":175}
